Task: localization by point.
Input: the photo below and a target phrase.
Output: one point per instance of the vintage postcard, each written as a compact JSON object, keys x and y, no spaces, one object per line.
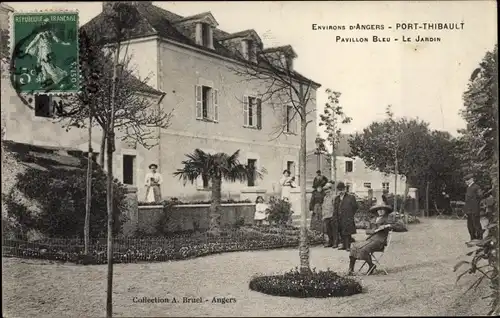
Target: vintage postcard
{"x":250,"y":158}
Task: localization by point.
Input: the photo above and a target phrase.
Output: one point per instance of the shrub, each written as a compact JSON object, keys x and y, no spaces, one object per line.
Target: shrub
{"x":60,"y":196}
{"x":320,"y":284}
{"x":173,"y":247}
{"x":280,"y":211}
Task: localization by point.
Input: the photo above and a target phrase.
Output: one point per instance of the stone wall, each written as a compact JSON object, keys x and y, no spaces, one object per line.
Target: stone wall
{"x":192,"y":217}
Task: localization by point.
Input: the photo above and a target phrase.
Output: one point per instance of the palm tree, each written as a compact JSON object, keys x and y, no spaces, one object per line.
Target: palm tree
{"x":214,"y":168}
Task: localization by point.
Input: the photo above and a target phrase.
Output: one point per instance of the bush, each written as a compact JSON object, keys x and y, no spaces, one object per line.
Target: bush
{"x":173,"y":247}
{"x":280,"y":211}
{"x":320,"y":284}
{"x":60,"y":197}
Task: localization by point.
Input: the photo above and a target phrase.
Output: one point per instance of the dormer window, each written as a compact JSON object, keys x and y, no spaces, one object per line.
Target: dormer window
{"x":249,"y":50}
{"x":204,"y":35}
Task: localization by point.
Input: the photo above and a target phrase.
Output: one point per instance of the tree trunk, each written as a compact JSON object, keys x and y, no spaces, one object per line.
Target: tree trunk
{"x":403,"y":207}
{"x":109,"y":191}
{"x":334,"y":159}
{"x":109,"y":206}
{"x":103,"y":148}
{"x":214,"y":227}
{"x":88,"y":202}
{"x":395,"y":181}
{"x":303,"y":239}
{"x":427,"y":199}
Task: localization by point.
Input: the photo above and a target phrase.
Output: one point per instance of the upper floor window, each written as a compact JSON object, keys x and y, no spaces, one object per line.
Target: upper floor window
{"x":348,"y":166}
{"x":250,"y":50}
{"x":367,"y":185}
{"x":289,"y":120}
{"x":206,"y":35}
{"x":385,"y":186}
{"x":252,"y":112}
{"x":207,"y":103}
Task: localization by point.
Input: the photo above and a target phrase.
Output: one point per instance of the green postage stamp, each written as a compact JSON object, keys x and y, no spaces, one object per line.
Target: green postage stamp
{"x":45,"y":52}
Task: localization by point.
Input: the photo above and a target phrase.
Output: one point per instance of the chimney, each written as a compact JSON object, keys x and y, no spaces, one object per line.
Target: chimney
{"x":107,"y":5}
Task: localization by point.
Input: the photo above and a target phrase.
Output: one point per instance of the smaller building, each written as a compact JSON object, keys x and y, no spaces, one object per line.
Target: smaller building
{"x":352,"y":171}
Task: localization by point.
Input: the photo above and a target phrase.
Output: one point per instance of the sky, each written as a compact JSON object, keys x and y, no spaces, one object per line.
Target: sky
{"x":424,"y":80}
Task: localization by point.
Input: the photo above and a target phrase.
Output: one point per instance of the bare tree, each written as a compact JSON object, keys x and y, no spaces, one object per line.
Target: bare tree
{"x":121,"y":103}
{"x":291,"y":94}
{"x":332,"y":118}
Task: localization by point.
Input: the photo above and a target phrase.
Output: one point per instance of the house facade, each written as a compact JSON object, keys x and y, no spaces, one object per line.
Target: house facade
{"x":214,"y":109}
{"x":190,"y":60}
{"x":353,"y":172}
{"x":34,"y":120}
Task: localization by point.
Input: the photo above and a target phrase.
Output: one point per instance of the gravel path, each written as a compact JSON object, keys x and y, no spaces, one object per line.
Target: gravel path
{"x":421,"y":282}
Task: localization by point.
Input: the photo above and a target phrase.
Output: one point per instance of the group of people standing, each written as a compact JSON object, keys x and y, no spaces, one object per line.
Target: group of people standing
{"x":333,"y":214}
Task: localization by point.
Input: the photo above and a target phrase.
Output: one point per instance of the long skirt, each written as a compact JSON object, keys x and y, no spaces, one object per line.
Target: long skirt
{"x":153,"y":194}
{"x":363,"y":250}
{"x":317,"y":218}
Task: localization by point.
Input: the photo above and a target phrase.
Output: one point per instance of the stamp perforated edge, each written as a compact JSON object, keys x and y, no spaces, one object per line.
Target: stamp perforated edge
{"x":11,"y":47}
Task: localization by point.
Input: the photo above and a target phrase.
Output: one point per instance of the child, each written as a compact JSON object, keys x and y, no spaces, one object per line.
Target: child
{"x":261,"y":211}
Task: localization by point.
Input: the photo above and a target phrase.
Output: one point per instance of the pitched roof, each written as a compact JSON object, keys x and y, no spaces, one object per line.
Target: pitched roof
{"x":245,"y":33}
{"x":343,"y":147}
{"x":163,"y":23}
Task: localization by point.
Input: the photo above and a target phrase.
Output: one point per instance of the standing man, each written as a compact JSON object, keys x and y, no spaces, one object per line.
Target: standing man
{"x":472,"y":208}
{"x":320,"y":180}
{"x":346,"y":206}
{"x":330,"y":217}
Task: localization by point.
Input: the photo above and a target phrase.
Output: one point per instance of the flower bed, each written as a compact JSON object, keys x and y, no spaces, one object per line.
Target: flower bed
{"x":173,"y":247}
{"x":320,"y":284}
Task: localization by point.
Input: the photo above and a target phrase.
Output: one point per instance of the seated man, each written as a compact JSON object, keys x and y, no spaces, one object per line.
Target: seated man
{"x":376,"y":241}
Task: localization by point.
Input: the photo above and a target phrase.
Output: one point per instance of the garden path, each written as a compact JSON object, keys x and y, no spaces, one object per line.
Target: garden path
{"x":421,"y":282}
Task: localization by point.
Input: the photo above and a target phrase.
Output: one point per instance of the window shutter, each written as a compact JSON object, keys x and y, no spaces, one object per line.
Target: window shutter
{"x":254,"y":111}
{"x":215,"y":99}
{"x":259,"y":113}
{"x":296,"y":121}
{"x":285,"y":118}
{"x":199,"y":103}
{"x":245,"y":110}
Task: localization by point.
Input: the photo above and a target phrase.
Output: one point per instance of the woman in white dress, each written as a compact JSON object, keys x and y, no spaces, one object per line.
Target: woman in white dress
{"x":41,"y":48}
{"x":261,"y":211}
{"x":153,"y":181}
{"x":286,"y":183}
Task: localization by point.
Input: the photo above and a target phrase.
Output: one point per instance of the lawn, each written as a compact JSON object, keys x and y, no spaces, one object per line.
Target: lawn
{"x":421,"y":282}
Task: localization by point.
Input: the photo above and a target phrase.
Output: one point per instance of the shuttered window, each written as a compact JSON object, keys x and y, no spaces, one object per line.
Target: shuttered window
{"x":252,"y":112}
{"x":207,"y":103}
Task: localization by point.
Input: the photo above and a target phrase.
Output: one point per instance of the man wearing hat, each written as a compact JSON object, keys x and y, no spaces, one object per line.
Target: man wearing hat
{"x":319,"y":180}
{"x":152,"y":182}
{"x":330,"y":218}
{"x":346,"y":206}
{"x":472,"y":208}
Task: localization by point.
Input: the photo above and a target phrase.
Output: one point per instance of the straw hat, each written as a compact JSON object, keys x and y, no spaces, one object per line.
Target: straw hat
{"x":377,"y":207}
